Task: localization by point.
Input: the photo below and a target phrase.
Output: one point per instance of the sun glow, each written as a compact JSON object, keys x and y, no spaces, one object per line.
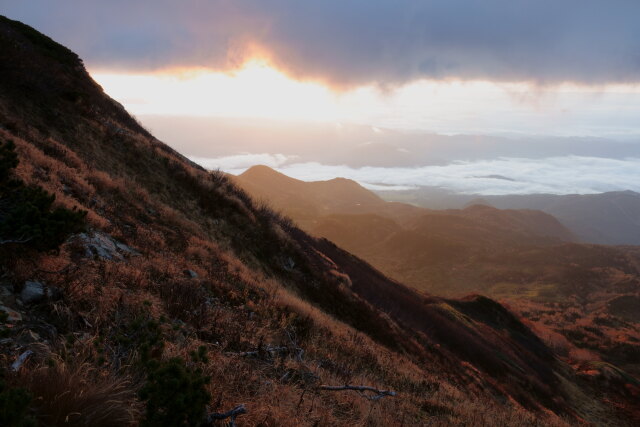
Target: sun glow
{"x":255,"y":90}
{"x":258,"y":90}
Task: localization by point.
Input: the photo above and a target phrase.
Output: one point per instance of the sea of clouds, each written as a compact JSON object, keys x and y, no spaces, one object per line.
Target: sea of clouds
{"x":500,"y":176}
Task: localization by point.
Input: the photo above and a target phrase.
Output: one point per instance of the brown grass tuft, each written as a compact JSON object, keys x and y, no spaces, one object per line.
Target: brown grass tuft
{"x":76,"y":395}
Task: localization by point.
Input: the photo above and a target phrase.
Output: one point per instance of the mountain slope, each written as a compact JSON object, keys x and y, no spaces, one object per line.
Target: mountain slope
{"x":306,"y":201}
{"x":522,"y":257}
{"x":180,"y":263}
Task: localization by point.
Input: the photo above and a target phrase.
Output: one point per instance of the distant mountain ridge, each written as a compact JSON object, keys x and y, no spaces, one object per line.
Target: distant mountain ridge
{"x":308,"y":202}
{"x":607,"y":218}
{"x":305,"y":200}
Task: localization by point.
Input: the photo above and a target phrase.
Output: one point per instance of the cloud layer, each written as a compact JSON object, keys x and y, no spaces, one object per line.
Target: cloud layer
{"x":553,"y":175}
{"x":239,"y":162}
{"x":357,"y":41}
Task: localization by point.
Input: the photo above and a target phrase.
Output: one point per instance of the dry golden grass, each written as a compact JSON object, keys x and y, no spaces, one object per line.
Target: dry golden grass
{"x":78,"y":394}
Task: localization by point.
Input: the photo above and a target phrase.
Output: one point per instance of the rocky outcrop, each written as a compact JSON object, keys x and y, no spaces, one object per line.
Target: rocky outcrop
{"x":101,"y":245}
{"x":190,"y":274}
{"x":33,"y":292}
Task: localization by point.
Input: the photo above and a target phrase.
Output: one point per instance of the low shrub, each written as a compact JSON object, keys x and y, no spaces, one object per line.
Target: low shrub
{"x":175,"y":394}
{"x":26,"y":211}
{"x":143,"y":335}
{"x":14,"y":406}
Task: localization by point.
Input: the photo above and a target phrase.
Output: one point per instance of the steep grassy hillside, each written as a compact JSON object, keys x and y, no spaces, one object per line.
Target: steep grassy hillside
{"x":184,"y":298}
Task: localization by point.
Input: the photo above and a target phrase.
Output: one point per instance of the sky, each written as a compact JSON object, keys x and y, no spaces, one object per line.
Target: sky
{"x":339,"y":86}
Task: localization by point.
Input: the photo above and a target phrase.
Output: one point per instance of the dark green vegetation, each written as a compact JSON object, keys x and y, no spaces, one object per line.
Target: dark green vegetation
{"x":26,"y":214}
{"x":175,"y":395}
{"x":14,"y":406}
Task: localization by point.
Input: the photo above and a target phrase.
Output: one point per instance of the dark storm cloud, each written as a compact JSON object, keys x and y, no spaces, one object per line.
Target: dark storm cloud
{"x":357,"y":41}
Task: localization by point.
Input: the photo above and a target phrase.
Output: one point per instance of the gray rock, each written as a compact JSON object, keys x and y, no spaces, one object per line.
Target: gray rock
{"x":289,"y":264}
{"x":13,"y":316}
{"x":15,"y":366}
{"x":102,"y":245}
{"x":126,"y":249}
{"x":191,"y":274}
{"x":32,"y":292}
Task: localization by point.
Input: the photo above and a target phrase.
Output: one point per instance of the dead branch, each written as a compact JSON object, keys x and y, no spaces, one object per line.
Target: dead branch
{"x":361,"y":389}
{"x":18,"y":240}
{"x":294,"y":344}
{"x":15,"y":366}
{"x":232,"y":414}
{"x":270,"y":351}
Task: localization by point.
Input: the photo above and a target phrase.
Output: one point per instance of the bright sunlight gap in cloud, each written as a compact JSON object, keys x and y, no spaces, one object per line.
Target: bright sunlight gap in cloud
{"x":257,"y":90}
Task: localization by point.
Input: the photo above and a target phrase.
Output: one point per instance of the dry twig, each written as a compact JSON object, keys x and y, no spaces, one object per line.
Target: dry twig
{"x":15,"y":366}
{"x":361,"y":389}
{"x":270,"y":351}
{"x":232,"y":414}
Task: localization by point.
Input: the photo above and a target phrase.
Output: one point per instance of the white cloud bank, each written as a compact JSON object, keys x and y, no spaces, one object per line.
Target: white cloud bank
{"x":238,"y":163}
{"x":553,"y":175}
